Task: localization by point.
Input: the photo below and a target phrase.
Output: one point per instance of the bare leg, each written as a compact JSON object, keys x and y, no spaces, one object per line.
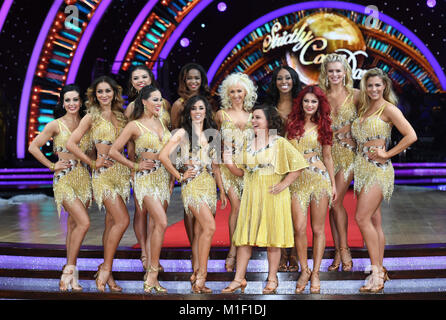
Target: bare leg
{"x":300,"y":232}
{"x":79,"y":223}
{"x":318,"y":214}
{"x":189,"y":222}
{"x":140,"y":229}
{"x":232,"y":222}
{"x":377,"y":222}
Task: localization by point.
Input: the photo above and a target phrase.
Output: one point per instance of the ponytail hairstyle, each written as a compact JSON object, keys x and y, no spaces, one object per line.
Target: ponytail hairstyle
{"x":143,"y":94}
{"x":59,"y":110}
{"x":296,"y":119}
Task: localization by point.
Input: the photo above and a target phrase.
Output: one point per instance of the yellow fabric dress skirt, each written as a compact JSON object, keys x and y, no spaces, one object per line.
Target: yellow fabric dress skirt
{"x":265,"y":219}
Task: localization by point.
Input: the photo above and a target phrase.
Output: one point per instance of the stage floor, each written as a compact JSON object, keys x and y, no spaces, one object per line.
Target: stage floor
{"x":414,"y":216}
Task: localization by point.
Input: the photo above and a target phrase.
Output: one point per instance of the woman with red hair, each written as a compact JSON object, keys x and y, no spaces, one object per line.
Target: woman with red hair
{"x":309,"y":130}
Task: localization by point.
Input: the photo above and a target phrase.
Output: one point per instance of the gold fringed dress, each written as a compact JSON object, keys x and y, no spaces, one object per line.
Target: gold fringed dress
{"x":237,"y":137}
{"x":314,"y":182}
{"x":369,"y":172}
{"x":153,"y":182}
{"x":342,"y":151}
{"x":265,"y":219}
{"x":109,"y":182}
{"x":74,"y":182}
{"x":202,"y":189}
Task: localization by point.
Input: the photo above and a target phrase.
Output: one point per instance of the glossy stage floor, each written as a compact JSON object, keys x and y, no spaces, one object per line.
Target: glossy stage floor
{"x":32,"y":255}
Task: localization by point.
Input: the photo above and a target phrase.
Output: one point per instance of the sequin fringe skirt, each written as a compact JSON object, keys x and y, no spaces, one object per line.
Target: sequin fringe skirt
{"x":200,"y":190}
{"x":343,"y":159}
{"x":231,"y":181}
{"x":154,"y":184}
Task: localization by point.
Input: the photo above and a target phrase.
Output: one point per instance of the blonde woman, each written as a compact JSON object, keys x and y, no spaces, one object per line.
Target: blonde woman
{"x":111,"y":181}
{"x":373,"y":170}
{"x":336,"y":81}
{"x":238,"y":95}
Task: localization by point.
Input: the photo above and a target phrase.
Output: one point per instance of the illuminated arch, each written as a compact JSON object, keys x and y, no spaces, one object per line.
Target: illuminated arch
{"x":252,"y":27}
{"x":4,"y":10}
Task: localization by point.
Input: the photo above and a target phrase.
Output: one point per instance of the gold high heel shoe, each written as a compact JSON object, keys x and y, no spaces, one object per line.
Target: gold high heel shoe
{"x":386,"y":275}
{"x":303,"y":280}
{"x":283,"y":260}
{"x":315,"y":288}
{"x":148,"y":288}
{"x":110,"y":282}
{"x":101,"y":278}
{"x":241,"y":285}
{"x":375,"y":281}
{"x":143,"y":261}
{"x":293,"y":265}
{"x":196,"y":288}
{"x":347,"y":264}
{"x":230,"y":263}
{"x":271,"y":290}
{"x":69,"y":279}
{"x":336,"y":261}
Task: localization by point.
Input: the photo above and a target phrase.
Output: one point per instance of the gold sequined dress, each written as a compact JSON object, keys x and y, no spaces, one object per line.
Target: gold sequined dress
{"x":153,"y":182}
{"x":314,"y":182}
{"x":343,"y":153}
{"x":201,"y":189}
{"x":74,"y":182}
{"x":264,"y":219}
{"x":369,"y":172}
{"x":109,"y":182}
{"x":230,"y":132}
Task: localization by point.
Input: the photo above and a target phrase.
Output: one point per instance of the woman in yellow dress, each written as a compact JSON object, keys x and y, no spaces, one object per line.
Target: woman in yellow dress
{"x":71,"y":182}
{"x":374,"y":174}
{"x":111,"y":181}
{"x":238,"y":95}
{"x":269,"y":164}
{"x":283,"y":89}
{"x":196,"y":168}
{"x":141,"y":76}
{"x":152,"y":183}
{"x":336,"y":81}
{"x":309,"y":130}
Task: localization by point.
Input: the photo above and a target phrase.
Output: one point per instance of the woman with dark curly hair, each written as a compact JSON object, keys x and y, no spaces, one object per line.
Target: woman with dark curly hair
{"x":309,"y":130}
{"x":198,"y":172}
{"x":283,"y":88}
{"x":110,"y":180}
{"x":71,"y":182}
{"x":269,"y":164}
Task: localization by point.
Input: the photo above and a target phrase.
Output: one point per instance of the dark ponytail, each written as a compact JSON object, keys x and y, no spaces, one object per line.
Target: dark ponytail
{"x":144,"y":94}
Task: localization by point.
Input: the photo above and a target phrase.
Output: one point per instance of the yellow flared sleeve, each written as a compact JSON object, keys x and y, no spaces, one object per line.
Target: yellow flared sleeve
{"x":287,"y":158}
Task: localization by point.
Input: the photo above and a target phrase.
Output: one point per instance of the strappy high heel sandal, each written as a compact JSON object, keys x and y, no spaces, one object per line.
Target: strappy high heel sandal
{"x":144,"y":262}
{"x":271,"y":290}
{"x":386,"y":275}
{"x":157,"y":287}
{"x":240,"y":285}
{"x":375,"y":281}
{"x":315,"y":288}
{"x":347,"y":262}
{"x":293,"y":265}
{"x":101,"y":278}
{"x":199,"y":285}
{"x":336,"y":261}
{"x":112,"y":285}
{"x":230,"y":263}
{"x":303,"y":280}
{"x":69,"y":279}
{"x":283,"y":260}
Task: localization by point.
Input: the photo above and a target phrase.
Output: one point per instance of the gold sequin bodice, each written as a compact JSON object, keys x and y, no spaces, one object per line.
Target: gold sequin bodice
{"x":231,"y":132}
{"x":308,"y":143}
{"x":103,"y":131}
{"x":345,"y":114}
{"x":371,"y":128}
{"x":60,"y":140}
{"x":149,"y":141}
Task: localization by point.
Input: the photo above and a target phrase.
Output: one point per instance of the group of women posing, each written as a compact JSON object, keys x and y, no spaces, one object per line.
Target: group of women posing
{"x":295,"y":153}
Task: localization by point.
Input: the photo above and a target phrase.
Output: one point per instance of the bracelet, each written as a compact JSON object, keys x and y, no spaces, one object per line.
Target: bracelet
{"x":136,"y":166}
{"x":53,"y":167}
{"x":93,"y":164}
{"x":181,"y":178}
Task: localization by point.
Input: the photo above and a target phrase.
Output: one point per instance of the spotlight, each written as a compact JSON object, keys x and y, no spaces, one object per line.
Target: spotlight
{"x":185,"y":42}
{"x":431,"y":3}
{"x":203,"y":25}
{"x":221,"y":6}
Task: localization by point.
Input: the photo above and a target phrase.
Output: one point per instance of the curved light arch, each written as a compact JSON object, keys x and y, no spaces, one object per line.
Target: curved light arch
{"x":131,"y":35}
{"x":4,"y":12}
{"x":26,"y":92}
{"x":83,"y":43}
{"x":329,"y":5}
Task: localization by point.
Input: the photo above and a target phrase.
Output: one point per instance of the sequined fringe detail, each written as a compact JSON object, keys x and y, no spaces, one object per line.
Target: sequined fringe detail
{"x":153,"y":183}
{"x":231,"y":181}
{"x":198,"y":191}
{"x":343,"y":159}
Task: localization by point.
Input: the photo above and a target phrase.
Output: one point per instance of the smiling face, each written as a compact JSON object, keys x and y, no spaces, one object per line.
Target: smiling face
{"x":310,"y":104}
{"x":284,"y":82}
{"x":335,"y":72}
{"x":104,"y":94}
{"x":259,"y":121}
{"x":72,"y":102}
{"x":375,"y":88}
{"x":153,"y":103}
{"x":193,"y":80}
{"x":198,"y":112}
{"x":237,"y":94}
{"x":140,"y":79}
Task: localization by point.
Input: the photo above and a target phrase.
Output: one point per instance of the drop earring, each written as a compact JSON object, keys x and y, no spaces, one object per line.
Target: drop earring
{"x":343,"y":81}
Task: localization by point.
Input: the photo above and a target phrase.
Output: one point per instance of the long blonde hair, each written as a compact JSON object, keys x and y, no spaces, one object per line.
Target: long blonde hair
{"x":388,"y":94}
{"x":324,"y":84}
